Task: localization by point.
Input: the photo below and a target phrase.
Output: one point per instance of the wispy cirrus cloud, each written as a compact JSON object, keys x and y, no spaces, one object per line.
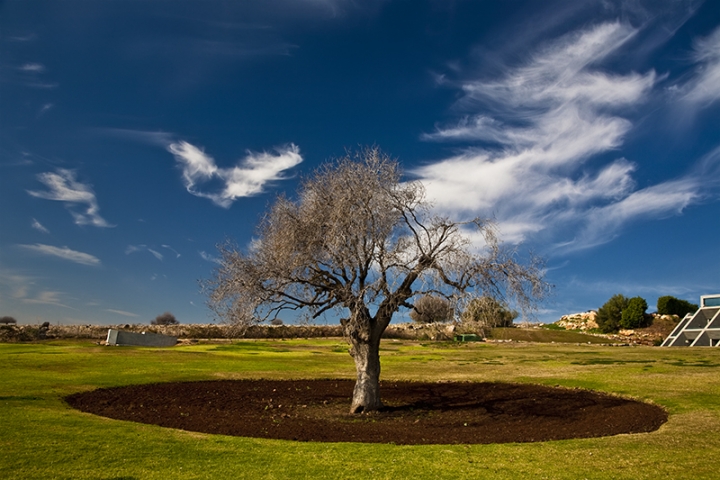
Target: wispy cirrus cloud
{"x":122,"y":312}
{"x":46,"y":298}
{"x":143,"y":248}
{"x":28,"y":37}
{"x":31,"y":74}
{"x":153,"y":251}
{"x":535,"y":128}
{"x":246,"y":179}
{"x":150,"y":137}
{"x":64,"y":253}
{"x":39,"y":226}
{"x":208,"y":257}
{"x":44,"y":109}
{"x":62,"y":186}
{"x":704,"y":88}
{"x":32,"y":67}
{"x":168,"y":247}
{"x":664,"y":199}
{"x":25,"y":289}
{"x":17,"y":283}
{"x":657,"y":201}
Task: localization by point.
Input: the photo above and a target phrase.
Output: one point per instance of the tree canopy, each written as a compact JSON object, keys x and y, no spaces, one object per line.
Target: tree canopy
{"x":609,"y":315}
{"x":166,"y":318}
{"x":669,"y":305}
{"x":622,"y":312}
{"x":633,"y":316}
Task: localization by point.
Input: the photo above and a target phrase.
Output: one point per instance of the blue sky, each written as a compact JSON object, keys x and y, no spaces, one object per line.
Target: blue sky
{"x":135,"y":136}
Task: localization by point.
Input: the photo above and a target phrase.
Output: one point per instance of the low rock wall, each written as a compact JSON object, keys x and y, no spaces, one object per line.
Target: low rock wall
{"x":411,"y":331}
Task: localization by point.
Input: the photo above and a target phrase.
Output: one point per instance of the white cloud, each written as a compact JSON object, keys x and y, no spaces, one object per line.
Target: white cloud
{"x":122,"y":312}
{"x":23,"y":38}
{"x":143,"y":248}
{"x":23,"y":288}
{"x":158,"y":138}
{"x":653,"y":202}
{"x":39,"y":226}
{"x":244,"y":180}
{"x":667,"y":198}
{"x":540,"y":122}
{"x":31,"y":74}
{"x":704,"y":88}
{"x":46,"y":298}
{"x":177,"y":254}
{"x":44,"y":109}
{"x":63,"y":187}
{"x":18,"y":284}
{"x":63,"y":252}
{"x":561,"y":72}
{"x":209,"y":258}
{"x":32,"y":67}
{"x":337,"y":7}
{"x":155,"y":253}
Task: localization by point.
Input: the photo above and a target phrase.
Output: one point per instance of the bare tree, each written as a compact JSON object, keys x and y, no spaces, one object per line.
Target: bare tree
{"x":488,"y":312}
{"x":431,"y":309}
{"x":359,"y":240}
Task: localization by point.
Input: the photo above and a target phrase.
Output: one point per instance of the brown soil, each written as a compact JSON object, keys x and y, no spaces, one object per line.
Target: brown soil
{"x":415,"y":413}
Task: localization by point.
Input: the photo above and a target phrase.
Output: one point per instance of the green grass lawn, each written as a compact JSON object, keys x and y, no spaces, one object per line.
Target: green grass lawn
{"x":546,"y":335}
{"x":41,"y":437}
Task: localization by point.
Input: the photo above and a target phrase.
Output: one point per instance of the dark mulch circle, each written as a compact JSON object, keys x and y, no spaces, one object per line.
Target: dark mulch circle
{"x":416,"y":413}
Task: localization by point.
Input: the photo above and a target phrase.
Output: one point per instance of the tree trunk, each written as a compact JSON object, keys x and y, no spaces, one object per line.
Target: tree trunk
{"x":364,"y":332}
{"x":366,"y":394}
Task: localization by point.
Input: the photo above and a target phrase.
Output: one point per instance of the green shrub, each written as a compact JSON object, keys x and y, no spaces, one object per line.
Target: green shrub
{"x":622,"y":312}
{"x":166,"y":318}
{"x":609,"y":315}
{"x":431,"y":309}
{"x":633,"y":316}
{"x":669,"y":305}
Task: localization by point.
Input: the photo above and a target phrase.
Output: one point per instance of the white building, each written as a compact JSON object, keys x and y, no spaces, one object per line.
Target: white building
{"x":701,"y":329}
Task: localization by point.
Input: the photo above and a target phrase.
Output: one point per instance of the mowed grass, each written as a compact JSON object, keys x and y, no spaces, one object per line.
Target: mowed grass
{"x":543,"y":335}
{"x":41,"y":437}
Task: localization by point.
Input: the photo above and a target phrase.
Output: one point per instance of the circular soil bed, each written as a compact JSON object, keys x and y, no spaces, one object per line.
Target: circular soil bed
{"x":415,"y":413}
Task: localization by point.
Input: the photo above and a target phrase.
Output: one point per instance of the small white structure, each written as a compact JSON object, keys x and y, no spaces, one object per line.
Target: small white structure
{"x":120,"y":337}
{"x":701,"y":329}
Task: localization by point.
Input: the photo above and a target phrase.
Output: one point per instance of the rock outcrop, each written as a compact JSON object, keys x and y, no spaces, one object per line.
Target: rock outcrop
{"x":579,"y":321}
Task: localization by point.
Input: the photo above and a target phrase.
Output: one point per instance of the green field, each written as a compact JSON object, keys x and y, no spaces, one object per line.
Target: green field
{"x":40,"y":437}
